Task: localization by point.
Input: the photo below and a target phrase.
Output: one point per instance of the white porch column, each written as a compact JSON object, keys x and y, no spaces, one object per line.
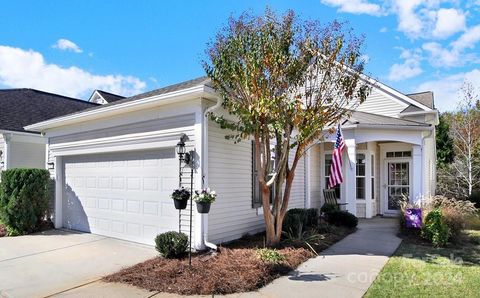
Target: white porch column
{"x":58,"y":192}
{"x":368,"y":182}
{"x":6,"y":154}
{"x":350,"y":181}
{"x":416,"y":174}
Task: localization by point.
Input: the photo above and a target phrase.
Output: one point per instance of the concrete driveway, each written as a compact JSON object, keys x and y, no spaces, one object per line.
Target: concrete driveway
{"x":54,"y":261}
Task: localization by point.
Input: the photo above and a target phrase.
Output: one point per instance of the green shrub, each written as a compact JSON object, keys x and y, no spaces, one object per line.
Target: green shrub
{"x":329,"y":208}
{"x":298,"y":220}
{"x":171,"y":244}
{"x":342,"y":218}
{"x":435,"y":229}
{"x":270,"y":255}
{"x":24,"y":199}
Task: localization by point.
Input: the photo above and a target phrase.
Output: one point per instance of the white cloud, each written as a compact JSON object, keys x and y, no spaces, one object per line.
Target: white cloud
{"x":355,"y":6}
{"x":449,"y":21}
{"x":446,"y":90}
{"x":408,"y":69}
{"x":468,"y":39}
{"x":408,"y":20}
{"x":383,"y":30}
{"x":440,"y":57}
{"x":67,"y":45}
{"x":28,"y":68}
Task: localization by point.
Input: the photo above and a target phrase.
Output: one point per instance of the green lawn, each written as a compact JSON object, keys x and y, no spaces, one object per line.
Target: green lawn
{"x":417,"y":270}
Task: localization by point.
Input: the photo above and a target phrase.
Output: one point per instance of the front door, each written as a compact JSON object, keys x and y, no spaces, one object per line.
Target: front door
{"x":398,"y":184}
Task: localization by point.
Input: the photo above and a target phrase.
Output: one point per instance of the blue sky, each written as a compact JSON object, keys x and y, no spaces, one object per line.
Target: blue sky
{"x":127,"y":47}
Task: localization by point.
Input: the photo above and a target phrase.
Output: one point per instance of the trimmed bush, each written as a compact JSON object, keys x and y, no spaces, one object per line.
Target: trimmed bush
{"x":329,"y":208}
{"x":342,"y":218}
{"x":24,"y":199}
{"x":435,"y":229}
{"x":171,"y":245}
{"x":297,"y":220}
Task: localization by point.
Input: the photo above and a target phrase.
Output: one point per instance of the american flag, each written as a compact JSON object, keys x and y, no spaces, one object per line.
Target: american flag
{"x":336,"y":176}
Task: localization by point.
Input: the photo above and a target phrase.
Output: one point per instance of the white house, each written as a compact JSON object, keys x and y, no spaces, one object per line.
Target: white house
{"x":20,"y":107}
{"x":115,"y":165}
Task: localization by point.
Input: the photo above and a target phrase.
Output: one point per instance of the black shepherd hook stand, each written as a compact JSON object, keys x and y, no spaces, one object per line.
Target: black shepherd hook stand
{"x":187,"y":159}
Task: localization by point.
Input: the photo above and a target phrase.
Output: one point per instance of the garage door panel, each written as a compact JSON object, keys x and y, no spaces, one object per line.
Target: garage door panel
{"x":121,"y":195}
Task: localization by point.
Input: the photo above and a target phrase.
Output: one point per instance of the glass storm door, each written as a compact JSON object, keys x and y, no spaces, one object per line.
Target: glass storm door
{"x":398,"y":184}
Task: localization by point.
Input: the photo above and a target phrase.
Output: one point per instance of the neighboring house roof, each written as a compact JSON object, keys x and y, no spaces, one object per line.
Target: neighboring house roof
{"x":22,"y":107}
{"x":110,"y":97}
{"x":425,"y":98}
{"x":367,"y":119}
{"x":104,"y":97}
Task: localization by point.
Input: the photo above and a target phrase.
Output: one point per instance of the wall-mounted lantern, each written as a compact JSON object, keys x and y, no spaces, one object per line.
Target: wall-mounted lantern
{"x":183,"y":155}
{"x":51,"y":165}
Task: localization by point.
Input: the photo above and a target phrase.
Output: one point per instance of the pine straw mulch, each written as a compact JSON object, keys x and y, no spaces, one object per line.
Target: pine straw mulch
{"x":236,"y":268}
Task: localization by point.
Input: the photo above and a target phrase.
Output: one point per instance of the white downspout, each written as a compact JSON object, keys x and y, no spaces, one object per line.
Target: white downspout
{"x":205,"y":166}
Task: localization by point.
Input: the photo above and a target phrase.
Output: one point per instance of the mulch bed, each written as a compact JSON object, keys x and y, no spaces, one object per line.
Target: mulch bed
{"x":235,"y":268}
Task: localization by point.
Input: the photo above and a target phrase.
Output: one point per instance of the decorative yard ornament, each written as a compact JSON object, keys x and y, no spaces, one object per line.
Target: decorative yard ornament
{"x":283,"y":81}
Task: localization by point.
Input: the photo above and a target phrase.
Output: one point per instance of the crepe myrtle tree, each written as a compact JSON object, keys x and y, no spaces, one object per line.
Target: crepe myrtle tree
{"x":283,"y":82}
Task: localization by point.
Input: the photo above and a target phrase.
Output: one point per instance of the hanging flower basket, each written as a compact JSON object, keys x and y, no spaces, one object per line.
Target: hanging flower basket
{"x":203,"y":207}
{"x":180,"y":198}
{"x":204,"y":199}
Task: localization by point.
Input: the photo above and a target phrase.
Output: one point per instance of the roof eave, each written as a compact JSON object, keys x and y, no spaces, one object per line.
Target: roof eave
{"x":387,"y":126}
{"x":158,"y":100}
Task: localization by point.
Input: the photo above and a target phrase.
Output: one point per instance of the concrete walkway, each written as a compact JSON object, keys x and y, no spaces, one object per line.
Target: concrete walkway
{"x":346,"y":269}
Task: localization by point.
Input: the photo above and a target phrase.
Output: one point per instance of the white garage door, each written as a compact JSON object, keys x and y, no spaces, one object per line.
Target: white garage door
{"x":121,"y":195}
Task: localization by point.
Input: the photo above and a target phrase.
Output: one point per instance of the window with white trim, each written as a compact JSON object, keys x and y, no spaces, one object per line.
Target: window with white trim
{"x":360,"y":173}
{"x":372,"y":173}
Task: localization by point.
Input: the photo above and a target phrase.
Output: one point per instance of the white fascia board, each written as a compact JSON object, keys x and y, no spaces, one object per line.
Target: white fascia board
{"x":401,"y":115}
{"x":107,"y":111}
{"x":389,"y":127}
{"x":137,"y":141}
{"x":27,"y":137}
{"x":393,"y":93}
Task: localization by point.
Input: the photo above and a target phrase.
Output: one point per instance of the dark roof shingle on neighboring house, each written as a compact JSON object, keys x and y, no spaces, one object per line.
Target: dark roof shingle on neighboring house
{"x":425,"y":98}
{"x":110,"y":97}
{"x":22,"y":107}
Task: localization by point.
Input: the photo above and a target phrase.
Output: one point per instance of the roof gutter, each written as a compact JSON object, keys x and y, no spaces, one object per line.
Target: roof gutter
{"x":159,"y":100}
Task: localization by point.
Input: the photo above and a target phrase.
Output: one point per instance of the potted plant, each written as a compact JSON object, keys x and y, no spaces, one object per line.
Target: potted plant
{"x":180,"y":198}
{"x":204,"y":199}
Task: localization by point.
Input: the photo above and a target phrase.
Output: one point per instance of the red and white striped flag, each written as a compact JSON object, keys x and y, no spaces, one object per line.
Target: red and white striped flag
{"x":336,"y":176}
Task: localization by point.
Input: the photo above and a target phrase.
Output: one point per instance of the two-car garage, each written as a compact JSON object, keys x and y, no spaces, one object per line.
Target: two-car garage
{"x":122,"y":195}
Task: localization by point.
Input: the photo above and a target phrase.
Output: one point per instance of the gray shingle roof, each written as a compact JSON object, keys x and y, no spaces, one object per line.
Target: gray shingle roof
{"x":363,"y":118}
{"x":110,"y":97}
{"x":22,"y":107}
{"x":425,"y":98}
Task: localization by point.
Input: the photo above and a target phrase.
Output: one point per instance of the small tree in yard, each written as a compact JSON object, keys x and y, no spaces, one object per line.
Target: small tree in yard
{"x":284,"y":82}
{"x":465,"y":131}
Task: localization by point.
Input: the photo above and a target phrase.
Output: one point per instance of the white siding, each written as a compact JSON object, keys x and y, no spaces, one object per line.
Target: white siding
{"x":230,"y":174}
{"x":27,"y":155}
{"x":379,"y":103}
